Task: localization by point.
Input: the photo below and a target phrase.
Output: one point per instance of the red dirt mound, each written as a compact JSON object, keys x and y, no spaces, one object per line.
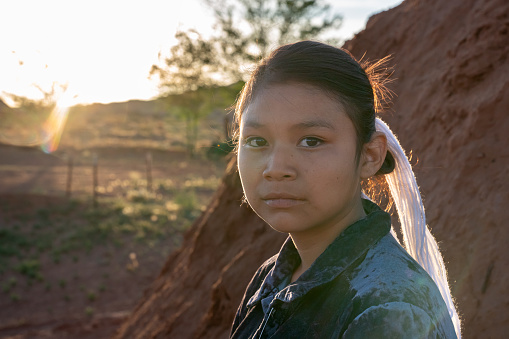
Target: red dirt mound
{"x":452,"y":91}
{"x":200,"y":286}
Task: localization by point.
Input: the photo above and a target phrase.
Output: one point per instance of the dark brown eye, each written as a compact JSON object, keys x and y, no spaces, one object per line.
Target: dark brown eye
{"x":256,"y":142}
{"x":310,"y":142}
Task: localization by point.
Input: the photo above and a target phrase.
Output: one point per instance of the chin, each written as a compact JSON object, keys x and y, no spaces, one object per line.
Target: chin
{"x":283,"y":227}
{"x":282,"y":221}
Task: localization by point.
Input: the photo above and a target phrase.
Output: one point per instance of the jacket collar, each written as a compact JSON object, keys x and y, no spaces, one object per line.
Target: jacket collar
{"x":351,"y":244}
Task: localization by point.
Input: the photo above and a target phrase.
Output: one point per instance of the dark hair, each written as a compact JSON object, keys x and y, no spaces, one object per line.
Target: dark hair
{"x":332,"y":69}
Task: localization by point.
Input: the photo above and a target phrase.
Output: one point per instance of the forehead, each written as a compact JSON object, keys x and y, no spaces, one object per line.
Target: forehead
{"x":293,"y":103}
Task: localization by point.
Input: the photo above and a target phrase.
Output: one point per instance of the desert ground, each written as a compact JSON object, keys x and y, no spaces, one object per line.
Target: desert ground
{"x":73,"y":264}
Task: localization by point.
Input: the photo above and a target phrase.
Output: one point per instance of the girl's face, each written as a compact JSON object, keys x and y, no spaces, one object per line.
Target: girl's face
{"x":297,"y":160}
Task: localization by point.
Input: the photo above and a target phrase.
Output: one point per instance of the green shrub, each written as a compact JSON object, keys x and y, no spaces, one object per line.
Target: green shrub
{"x":220,"y":149}
{"x":30,"y":268}
{"x":188,"y":204}
{"x":11,"y":242}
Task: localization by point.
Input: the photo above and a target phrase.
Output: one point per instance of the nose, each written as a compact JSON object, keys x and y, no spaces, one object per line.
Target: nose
{"x":280,"y":165}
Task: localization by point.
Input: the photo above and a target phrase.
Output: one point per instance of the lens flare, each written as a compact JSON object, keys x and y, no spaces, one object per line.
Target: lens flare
{"x":53,"y":127}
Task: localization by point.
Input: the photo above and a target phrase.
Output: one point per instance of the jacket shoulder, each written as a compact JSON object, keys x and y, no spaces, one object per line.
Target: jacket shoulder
{"x":388,"y":269}
{"x":395,"y":320}
{"x":389,"y":276}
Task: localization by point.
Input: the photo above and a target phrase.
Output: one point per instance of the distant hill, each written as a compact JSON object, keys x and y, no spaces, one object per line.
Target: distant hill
{"x":132,"y":124}
{"x":18,"y":128}
{"x":3,"y":106}
{"x":149,"y":107}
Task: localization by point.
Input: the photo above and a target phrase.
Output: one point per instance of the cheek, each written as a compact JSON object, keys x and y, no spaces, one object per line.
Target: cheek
{"x":333,"y":175}
{"x":246,"y":171}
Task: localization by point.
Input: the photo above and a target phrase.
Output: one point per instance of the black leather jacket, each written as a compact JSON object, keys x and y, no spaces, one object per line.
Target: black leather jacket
{"x":364,"y":285}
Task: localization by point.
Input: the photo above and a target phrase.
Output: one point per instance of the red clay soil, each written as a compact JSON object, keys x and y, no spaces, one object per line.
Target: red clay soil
{"x":200,"y":286}
{"x":451,"y":109}
{"x":56,"y":305}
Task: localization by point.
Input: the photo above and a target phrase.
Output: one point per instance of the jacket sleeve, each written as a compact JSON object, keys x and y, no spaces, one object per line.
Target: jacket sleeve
{"x":395,"y":320}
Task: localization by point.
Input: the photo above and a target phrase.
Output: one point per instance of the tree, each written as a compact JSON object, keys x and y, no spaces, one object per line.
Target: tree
{"x":190,"y":106}
{"x":40,"y":107}
{"x":245,"y":31}
{"x":193,"y":105}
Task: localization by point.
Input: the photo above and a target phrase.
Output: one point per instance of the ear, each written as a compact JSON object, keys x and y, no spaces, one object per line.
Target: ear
{"x":373,"y":155}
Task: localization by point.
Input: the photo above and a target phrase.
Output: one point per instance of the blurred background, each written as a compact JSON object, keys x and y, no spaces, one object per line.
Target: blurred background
{"x":114,"y":130}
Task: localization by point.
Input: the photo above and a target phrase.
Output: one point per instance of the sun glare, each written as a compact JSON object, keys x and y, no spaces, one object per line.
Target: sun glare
{"x":53,"y":127}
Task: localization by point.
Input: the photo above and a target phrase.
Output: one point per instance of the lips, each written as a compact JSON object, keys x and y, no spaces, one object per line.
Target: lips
{"x":282,"y":200}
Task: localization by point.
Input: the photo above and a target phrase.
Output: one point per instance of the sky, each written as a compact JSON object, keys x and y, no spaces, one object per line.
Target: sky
{"x":103,"y":50}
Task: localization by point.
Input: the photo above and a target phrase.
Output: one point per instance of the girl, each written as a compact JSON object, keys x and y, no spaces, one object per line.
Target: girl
{"x":308,"y":137}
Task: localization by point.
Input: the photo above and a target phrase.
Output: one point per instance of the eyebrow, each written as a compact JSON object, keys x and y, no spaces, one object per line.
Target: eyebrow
{"x":314,"y":123}
{"x":301,"y":125}
{"x":253,"y":124}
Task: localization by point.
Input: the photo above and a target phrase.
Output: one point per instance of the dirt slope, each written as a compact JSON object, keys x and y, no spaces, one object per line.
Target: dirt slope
{"x":451,"y":111}
{"x":452,"y":67}
{"x":200,"y":287}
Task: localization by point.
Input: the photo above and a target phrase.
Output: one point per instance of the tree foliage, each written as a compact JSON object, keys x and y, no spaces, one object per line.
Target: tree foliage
{"x":193,"y":105}
{"x":39,"y":107}
{"x":24,"y":123}
{"x":245,"y":31}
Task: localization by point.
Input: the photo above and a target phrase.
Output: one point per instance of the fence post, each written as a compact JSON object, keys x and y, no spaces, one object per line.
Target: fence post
{"x":95,"y":181}
{"x":69,"y":176}
{"x":148,"y":162}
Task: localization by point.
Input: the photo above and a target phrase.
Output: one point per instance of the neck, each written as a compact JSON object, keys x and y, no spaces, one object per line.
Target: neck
{"x":312,"y":243}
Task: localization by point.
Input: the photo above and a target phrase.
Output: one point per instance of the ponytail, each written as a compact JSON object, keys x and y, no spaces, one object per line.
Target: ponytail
{"x":418,"y":240}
